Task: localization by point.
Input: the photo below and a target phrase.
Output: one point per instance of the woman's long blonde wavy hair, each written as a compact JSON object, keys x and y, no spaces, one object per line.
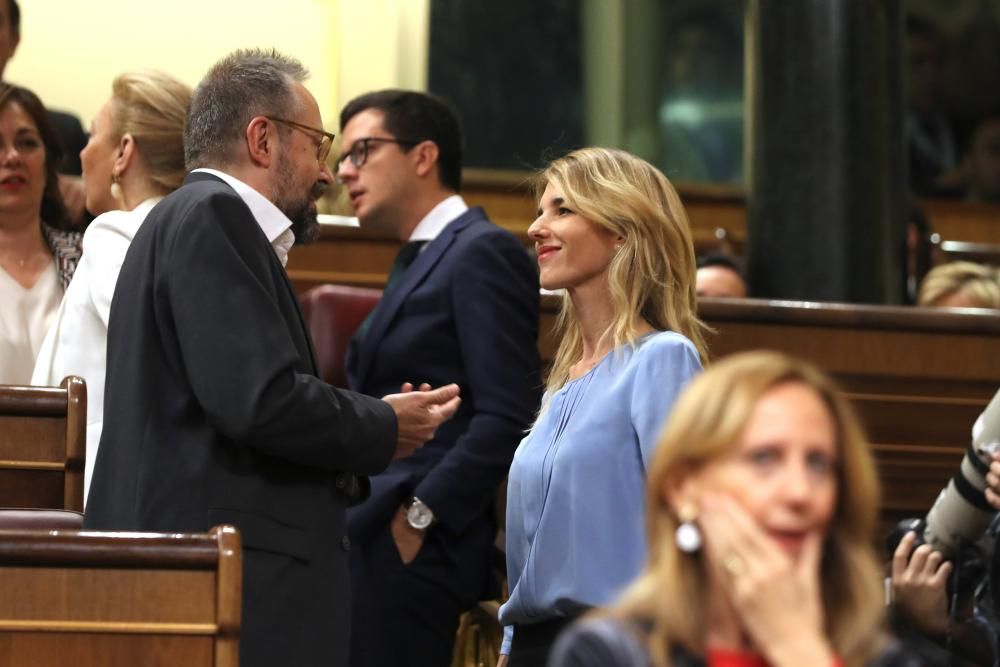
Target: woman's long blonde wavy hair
{"x":706,"y":424}
{"x":653,"y":274}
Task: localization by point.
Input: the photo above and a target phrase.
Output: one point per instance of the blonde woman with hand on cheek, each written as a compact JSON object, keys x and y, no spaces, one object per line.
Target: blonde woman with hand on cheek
{"x":761,"y":506}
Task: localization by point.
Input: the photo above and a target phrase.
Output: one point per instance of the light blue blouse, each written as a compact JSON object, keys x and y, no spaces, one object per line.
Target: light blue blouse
{"x":575,"y":495}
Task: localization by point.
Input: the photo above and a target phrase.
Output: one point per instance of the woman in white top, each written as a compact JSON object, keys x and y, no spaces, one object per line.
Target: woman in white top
{"x":134,"y":157}
{"x":38,"y":251}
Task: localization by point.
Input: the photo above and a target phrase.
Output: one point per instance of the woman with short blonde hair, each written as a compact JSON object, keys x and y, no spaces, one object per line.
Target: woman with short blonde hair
{"x":134,"y":158}
{"x":961,"y":285}
{"x":151,"y":106}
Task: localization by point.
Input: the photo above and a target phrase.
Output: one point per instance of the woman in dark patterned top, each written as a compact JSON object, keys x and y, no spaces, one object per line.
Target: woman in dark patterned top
{"x":38,"y":253}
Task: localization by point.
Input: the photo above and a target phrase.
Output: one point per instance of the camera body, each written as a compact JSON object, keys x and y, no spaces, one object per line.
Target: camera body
{"x":961,"y":512}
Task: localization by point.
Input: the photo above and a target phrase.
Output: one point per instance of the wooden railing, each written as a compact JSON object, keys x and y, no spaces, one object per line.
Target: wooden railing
{"x":918,"y":377}
{"x":717,"y":215}
{"x":78,"y":599}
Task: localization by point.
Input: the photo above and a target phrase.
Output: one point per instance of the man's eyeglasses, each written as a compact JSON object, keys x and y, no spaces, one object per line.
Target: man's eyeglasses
{"x":325,"y":141}
{"x":359,"y":149}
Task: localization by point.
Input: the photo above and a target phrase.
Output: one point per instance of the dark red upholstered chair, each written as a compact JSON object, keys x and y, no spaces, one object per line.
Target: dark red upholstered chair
{"x":333,"y":313}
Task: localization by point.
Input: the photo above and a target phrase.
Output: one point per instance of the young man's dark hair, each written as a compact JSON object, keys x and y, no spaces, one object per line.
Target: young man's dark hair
{"x":720,"y":274}
{"x":414,"y":117}
{"x":720,"y":259}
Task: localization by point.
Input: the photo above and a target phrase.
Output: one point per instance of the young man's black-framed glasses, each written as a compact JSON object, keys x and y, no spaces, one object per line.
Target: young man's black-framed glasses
{"x":359,"y":149}
{"x":326,"y":138}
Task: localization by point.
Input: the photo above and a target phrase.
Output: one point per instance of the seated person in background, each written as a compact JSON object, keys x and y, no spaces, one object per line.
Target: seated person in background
{"x":932,"y":139}
{"x":720,"y":275}
{"x":135,"y":156}
{"x":982,"y":163}
{"x":762,"y":501}
{"x":961,"y":285}
{"x":611,"y":232}
{"x":67,"y":126}
{"x":37,"y":252}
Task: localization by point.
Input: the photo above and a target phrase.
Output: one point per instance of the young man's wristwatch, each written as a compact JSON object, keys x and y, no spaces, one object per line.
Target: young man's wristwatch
{"x":418,"y":515}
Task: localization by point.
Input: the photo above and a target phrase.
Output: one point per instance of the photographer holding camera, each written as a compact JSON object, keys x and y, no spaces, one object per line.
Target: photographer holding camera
{"x":952,"y":554}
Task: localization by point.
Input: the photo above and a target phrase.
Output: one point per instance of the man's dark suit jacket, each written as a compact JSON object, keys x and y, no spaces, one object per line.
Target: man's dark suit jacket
{"x":214,"y":414}
{"x":465,"y":311}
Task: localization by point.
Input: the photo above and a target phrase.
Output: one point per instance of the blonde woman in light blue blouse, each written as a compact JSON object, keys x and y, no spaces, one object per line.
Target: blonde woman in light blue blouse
{"x":612,"y":233}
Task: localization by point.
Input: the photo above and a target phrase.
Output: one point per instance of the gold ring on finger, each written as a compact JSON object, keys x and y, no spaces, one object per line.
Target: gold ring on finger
{"x":734,"y":565}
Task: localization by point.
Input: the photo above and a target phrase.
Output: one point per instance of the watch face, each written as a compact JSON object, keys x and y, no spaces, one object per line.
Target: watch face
{"x":419,"y":516}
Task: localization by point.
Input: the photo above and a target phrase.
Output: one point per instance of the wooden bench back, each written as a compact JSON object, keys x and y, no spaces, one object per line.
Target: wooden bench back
{"x":918,"y":378}
{"x":42,"y":441}
{"x":79,"y":599}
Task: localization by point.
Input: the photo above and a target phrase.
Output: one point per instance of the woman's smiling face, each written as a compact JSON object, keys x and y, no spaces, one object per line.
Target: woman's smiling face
{"x":572,"y":250}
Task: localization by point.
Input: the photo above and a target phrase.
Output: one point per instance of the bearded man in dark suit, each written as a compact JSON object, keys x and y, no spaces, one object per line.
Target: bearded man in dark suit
{"x":214,"y":412}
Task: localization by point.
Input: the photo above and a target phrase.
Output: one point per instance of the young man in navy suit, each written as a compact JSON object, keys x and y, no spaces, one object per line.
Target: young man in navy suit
{"x":461,"y":305}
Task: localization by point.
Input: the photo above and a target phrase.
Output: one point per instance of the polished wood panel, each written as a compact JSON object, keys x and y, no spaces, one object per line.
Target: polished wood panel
{"x":973,"y":222}
{"x":79,"y":599}
{"x":917,"y":377}
{"x":342,"y":256}
{"x":954,"y":251}
{"x":42,"y":442}
{"x":88,"y":650}
{"x":39,"y":519}
{"x":56,"y":598}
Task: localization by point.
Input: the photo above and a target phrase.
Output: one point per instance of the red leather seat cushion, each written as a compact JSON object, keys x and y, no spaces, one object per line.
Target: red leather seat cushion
{"x":333,"y":313}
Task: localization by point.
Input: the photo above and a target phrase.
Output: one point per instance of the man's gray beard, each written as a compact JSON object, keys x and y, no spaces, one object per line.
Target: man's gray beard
{"x":300,"y":211}
{"x":305,"y":227}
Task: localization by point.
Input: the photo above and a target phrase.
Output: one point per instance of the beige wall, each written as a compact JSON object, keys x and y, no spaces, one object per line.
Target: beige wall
{"x":382,"y":44}
{"x":72,"y":49}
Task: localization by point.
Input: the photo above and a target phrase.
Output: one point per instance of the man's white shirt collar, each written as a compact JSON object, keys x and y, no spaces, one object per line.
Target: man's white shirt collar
{"x":438,"y":218}
{"x":275,"y":224}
